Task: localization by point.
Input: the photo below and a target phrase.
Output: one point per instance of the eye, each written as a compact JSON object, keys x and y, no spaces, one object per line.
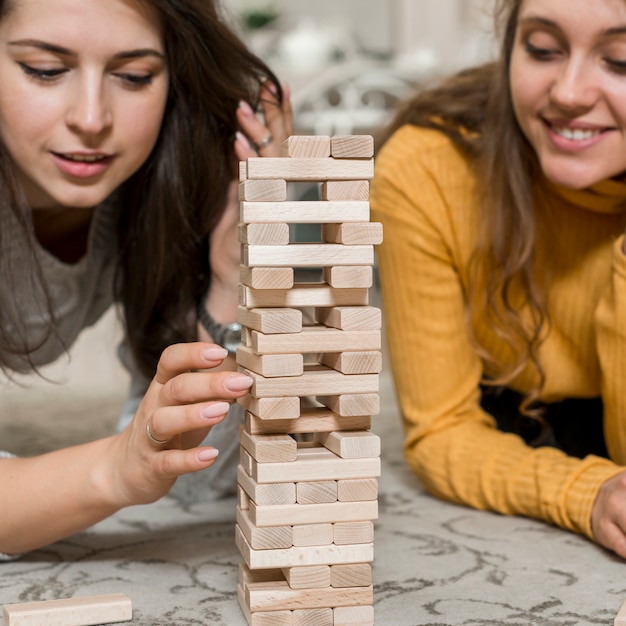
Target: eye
{"x":616,"y":65}
{"x":41,"y":74}
{"x":539,"y":53}
{"x":134,"y":80}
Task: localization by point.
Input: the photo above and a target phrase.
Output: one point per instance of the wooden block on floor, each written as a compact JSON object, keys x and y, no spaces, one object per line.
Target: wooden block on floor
{"x":350,"y":317}
{"x":313,"y":617}
{"x":296,"y":514}
{"x":304,"y":294}
{"x":315,"y":464}
{"x":351,"y":533}
{"x":351,"y":445}
{"x":101,"y":609}
{"x":267,"y":493}
{"x":357,"y":489}
{"x":307,"y":255}
{"x":353,"y":234}
{"x":368,"y":362}
{"x":270,"y":448}
{"x":316,"y":492}
{"x":273,"y":538}
{"x":264,"y":234}
{"x":353,"y":616}
{"x":345,"y":190}
{"x":263,"y":190}
{"x":272,"y":408}
{"x":310,"y":577}
{"x":305,"y":211}
{"x":270,"y":365}
{"x":316,"y":338}
{"x":263,"y":618}
{"x":306,"y":146}
{"x":349,"y":277}
{"x":313,"y":535}
{"x":301,"y":556}
{"x":302,"y":169}
{"x":353,"y":575}
{"x":310,"y":421}
{"x":271,"y":321}
{"x":352,"y":404}
{"x":266,"y":277}
{"x":352,"y":146}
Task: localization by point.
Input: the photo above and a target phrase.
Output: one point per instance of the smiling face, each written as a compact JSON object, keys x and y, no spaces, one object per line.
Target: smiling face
{"x":84,"y":87}
{"x":568,"y":87}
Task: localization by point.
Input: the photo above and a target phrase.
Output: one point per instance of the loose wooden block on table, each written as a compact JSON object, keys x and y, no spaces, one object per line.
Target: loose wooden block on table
{"x":345,"y":190}
{"x":311,"y":577}
{"x":305,"y":211}
{"x":352,"y":445}
{"x":352,"y":146}
{"x":349,"y":276}
{"x":266,"y":277}
{"x":303,"y":294}
{"x":102,"y":609}
{"x":307,"y":169}
{"x":353,"y":616}
{"x":307,"y":255}
{"x":270,"y":365}
{"x":275,"y":234}
{"x":306,"y":146}
{"x":353,"y":234}
{"x":263,"y":190}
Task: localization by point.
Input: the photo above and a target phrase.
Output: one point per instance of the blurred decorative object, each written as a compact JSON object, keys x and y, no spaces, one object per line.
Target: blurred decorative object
{"x":259,"y":16}
{"x":305,"y":48}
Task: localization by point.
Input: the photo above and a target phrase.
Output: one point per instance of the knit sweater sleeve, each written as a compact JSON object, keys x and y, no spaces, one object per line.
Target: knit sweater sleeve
{"x":422,"y":195}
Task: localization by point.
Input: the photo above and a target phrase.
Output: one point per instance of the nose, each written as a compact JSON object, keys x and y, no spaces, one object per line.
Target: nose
{"x":88,"y":110}
{"x":574,"y":88}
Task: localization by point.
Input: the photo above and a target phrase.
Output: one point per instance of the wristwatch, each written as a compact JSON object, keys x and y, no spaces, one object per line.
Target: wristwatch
{"x":226,"y":335}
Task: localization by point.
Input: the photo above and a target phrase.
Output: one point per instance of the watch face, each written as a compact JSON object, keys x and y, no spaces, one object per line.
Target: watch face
{"x":232,"y":337}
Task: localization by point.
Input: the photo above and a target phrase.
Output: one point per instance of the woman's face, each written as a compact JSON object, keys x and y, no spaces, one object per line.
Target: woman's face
{"x":568,"y":85}
{"x":84,"y":86}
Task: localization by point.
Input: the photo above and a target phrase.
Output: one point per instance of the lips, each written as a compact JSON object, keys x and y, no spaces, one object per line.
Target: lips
{"x":82,"y":165}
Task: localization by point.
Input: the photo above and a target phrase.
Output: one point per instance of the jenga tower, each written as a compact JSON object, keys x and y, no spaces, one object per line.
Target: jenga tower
{"x":308,"y":477}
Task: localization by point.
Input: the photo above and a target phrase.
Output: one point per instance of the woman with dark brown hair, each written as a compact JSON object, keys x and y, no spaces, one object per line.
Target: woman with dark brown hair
{"x":121,"y":124}
{"x":503,"y":271}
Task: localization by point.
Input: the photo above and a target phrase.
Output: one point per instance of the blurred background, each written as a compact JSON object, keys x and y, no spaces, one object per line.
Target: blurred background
{"x":348,"y":63}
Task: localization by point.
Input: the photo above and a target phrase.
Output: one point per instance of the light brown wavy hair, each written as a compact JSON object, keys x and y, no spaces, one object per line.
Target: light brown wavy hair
{"x":171,"y":204}
{"x":475,"y":110}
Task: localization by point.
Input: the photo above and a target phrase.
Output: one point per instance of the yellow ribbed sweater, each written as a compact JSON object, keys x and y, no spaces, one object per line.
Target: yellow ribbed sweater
{"x":422,"y":193}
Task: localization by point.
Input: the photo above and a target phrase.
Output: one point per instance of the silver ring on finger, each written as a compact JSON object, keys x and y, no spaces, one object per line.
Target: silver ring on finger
{"x":265,"y":142}
{"x":153,"y":439}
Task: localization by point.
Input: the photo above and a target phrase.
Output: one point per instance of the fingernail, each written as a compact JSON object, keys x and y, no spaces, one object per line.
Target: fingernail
{"x":238,"y":382}
{"x":207,"y":454}
{"x":243,"y":140}
{"x":271,"y":87}
{"x":217,"y":409}
{"x":245,"y":108}
{"x":214,"y":354}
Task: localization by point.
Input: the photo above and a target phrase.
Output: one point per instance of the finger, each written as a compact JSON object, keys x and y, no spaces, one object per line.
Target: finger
{"x":169,"y":421}
{"x":254,"y":129}
{"x":170,"y":464}
{"x":182,"y":357}
{"x":278,"y":117}
{"x":193,"y":387}
{"x":613,"y":537}
{"x":243,"y":149}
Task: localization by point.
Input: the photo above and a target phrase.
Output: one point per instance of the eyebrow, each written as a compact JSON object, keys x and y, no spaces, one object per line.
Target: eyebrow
{"x":50,"y":47}
{"x":616,"y":30}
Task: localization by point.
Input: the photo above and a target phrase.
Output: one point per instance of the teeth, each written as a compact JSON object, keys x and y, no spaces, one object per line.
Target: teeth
{"x":576,"y":134}
{"x":84,"y":158}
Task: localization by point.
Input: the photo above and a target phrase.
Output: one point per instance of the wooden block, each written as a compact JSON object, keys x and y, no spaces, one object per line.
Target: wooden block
{"x":351,"y":533}
{"x":266,"y":277}
{"x":315,"y":464}
{"x":345,"y":190}
{"x":352,"y":146}
{"x":325,"y":513}
{"x":357,"y":489}
{"x":243,"y":499}
{"x":243,"y":170}
{"x":270,"y":365}
{"x":267,"y":493}
{"x":102,"y":609}
{"x":316,"y":338}
{"x":246,"y":460}
{"x":263,"y":618}
{"x":370,"y":362}
{"x":351,"y":445}
{"x":352,"y":403}
{"x":310,"y":577}
{"x":269,"y":448}
{"x":279,"y":596}
{"x":263,"y":190}
{"x":350,"y":317}
{"x":307,"y":255}
{"x":353,"y":616}
{"x":306,"y":146}
{"x":301,"y":169}
{"x":300,"y":556}
{"x":354,"y":575}
{"x":316,"y":381}
{"x":245,"y":575}
{"x":272,"y":408}
{"x":316,"y":492}
{"x":305,"y":211}
{"x":312,"y":535}
{"x":271,"y":321}
{"x":303,"y":294}
{"x":320,"y":420}
{"x":353,"y":234}
{"x":620,"y":618}
{"x":349,"y":277}
{"x":313,"y":617}
{"x":264,"y":234}
{"x":272,"y":538}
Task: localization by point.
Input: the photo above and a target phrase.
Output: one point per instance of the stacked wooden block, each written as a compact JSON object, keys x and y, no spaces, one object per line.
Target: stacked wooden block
{"x":308,"y":477}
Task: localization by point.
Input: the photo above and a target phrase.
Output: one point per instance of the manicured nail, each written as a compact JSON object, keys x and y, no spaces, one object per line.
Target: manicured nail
{"x":207,"y":454}
{"x":238,"y":382}
{"x":217,"y":409}
{"x":246,"y":109}
{"x":243,"y":140}
{"x":215,"y":354}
